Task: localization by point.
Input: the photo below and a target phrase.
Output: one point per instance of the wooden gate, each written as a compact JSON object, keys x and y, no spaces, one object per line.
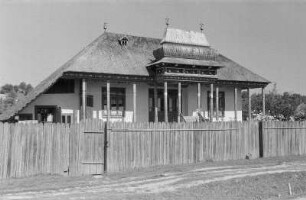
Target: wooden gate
{"x":92,"y":158}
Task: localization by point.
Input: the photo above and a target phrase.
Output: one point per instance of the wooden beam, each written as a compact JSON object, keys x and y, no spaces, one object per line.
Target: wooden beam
{"x":199,"y":96}
{"x":263,"y":101}
{"x":250,"y":104}
{"x":211,"y":101}
{"x":83,"y":99}
{"x":179,"y":101}
{"x":166,"y":100}
{"x":217,"y":103}
{"x":134,"y":102}
{"x":235,"y":103}
{"x":108,"y":100}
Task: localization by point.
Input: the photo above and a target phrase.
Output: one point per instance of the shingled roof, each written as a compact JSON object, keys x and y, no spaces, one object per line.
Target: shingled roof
{"x":105,"y":56}
{"x":184,"y":37}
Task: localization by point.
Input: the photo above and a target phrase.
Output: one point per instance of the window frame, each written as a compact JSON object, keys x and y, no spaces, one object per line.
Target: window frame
{"x":90,"y":100}
{"x":117,"y":98}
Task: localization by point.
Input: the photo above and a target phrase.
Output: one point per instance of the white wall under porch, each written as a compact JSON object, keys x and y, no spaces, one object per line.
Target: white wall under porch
{"x":190,"y":101}
{"x":142,"y":89}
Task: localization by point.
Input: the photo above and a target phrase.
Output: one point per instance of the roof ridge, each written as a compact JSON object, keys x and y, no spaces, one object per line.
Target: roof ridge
{"x":138,"y":36}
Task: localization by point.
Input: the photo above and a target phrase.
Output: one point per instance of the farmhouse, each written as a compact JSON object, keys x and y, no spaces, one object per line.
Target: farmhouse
{"x":122,"y":77}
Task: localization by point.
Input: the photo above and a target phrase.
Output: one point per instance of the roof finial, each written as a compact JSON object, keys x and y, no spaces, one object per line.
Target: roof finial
{"x":167,"y":21}
{"x":201,"y":27}
{"x":105,"y":26}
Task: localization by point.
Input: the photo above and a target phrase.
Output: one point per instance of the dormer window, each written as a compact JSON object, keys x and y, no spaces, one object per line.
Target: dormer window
{"x":123,"y":41}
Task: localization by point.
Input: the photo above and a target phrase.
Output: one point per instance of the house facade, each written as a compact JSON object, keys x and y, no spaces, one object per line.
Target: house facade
{"x":129,"y":78}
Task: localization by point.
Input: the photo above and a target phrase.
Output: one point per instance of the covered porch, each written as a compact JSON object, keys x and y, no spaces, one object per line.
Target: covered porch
{"x":133,"y":100}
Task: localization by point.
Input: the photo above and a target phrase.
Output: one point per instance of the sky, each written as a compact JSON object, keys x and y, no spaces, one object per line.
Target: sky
{"x":267,"y":37}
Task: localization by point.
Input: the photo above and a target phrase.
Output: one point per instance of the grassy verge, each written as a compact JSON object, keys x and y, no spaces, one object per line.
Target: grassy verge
{"x":273,"y":186}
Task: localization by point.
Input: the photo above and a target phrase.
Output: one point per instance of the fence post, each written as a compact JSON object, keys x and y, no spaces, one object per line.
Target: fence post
{"x":105,"y":146}
{"x":261,"y":147}
{"x":194,"y":144}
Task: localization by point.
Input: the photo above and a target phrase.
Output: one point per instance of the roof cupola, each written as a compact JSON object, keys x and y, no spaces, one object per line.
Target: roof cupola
{"x":185,"y":53}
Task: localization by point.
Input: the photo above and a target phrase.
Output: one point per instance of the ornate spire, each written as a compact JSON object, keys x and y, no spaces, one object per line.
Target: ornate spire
{"x":105,"y":26}
{"x":201,"y":27}
{"x":167,"y":22}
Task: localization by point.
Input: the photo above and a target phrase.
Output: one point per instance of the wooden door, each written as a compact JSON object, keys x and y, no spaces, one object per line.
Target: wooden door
{"x":172,"y":105}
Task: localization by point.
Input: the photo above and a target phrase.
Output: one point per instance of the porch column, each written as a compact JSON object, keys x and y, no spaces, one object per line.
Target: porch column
{"x":250,"y":104}
{"x":179,"y":110}
{"x":199,"y":96}
{"x":134,"y":102}
{"x":108,"y":100}
{"x":211,"y":101}
{"x":83,"y":99}
{"x":166,"y":100}
{"x":217,"y":103}
{"x":155,"y":103}
{"x":235,"y":103}
{"x":263,"y":101}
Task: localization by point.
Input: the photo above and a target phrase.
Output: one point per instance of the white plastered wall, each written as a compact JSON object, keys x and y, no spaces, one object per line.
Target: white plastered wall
{"x":65,"y":101}
{"x":69,"y":102}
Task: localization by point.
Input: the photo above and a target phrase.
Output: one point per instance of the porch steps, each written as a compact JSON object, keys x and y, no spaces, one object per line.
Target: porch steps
{"x":190,"y":118}
{"x":196,"y":117}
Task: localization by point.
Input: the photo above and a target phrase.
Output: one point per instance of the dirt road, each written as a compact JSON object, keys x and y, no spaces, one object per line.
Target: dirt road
{"x":189,"y":182}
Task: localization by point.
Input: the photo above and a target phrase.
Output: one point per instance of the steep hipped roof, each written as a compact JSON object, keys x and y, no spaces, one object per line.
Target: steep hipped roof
{"x":105,"y":55}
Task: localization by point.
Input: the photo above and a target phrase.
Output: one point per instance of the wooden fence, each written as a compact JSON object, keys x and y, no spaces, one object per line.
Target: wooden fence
{"x":27,"y":150}
{"x":93,"y":147}
{"x":137,"y":145}
{"x":31,"y":149}
{"x":283,"y":138}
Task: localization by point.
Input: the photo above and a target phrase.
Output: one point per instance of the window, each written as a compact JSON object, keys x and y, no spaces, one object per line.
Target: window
{"x":221,"y":103}
{"x":46,"y":113}
{"x":89,"y":100}
{"x":117,"y":100}
{"x":123,"y":41}
{"x":66,"y":118}
{"x":61,"y":86}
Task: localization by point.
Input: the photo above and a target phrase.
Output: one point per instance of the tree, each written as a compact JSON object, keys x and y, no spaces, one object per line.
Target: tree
{"x":279,"y":106}
{"x":300,"y":112}
{"x":13,"y":93}
{"x":7,"y":88}
{"x":21,"y":88}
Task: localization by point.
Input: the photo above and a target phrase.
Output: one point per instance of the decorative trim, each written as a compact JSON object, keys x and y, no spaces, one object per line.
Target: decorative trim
{"x":172,"y":78}
{"x":186,"y":79}
{"x":110,"y":77}
{"x":242,"y":84}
